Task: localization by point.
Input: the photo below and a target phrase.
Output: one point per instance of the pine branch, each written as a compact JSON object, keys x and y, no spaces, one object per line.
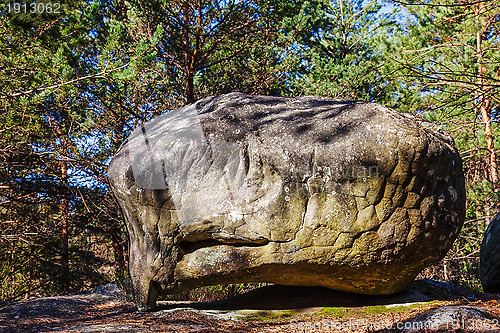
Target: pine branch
{"x":460,"y":4}
{"x":59,"y":85}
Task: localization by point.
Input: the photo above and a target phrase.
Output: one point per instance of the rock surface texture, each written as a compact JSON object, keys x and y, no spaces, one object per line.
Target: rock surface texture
{"x":299,"y":191}
{"x":490,"y":257}
{"x":452,"y":319}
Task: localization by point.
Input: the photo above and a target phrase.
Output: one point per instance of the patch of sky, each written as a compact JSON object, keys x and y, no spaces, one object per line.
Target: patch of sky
{"x":89,"y":146}
{"x":78,"y":177}
{"x":402,"y":15}
{"x":495,"y":113}
{"x":93,"y":33}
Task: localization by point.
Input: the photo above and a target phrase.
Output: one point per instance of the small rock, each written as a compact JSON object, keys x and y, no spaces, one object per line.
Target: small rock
{"x":490,"y":257}
{"x":451,"y":318}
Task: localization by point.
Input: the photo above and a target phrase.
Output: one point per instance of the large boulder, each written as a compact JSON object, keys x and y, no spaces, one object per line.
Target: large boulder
{"x":304,"y":191}
{"x":489,"y":269}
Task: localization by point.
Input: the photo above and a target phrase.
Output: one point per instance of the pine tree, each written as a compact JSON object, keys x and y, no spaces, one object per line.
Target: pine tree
{"x":43,"y":126}
{"x":340,"y":47}
{"x":448,"y":53}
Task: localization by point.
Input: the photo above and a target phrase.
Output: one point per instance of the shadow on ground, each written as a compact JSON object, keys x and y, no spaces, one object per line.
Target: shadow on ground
{"x":279,"y":297}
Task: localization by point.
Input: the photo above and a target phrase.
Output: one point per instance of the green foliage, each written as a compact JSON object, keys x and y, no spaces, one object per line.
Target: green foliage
{"x":43,"y":130}
{"x":340,"y":49}
{"x":448,"y":55}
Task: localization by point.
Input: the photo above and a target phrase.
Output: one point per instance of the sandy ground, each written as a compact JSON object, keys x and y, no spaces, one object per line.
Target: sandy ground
{"x":428,"y":306}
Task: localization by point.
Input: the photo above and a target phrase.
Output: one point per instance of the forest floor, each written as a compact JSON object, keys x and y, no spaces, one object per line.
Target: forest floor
{"x":428,"y":306}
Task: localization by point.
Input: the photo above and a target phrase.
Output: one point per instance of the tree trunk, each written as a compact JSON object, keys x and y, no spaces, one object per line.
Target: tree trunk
{"x":64,"y":213}
{"x":492,"y":161}
{"x":484,"y":102}
{"x":117,"y":241}
{"x":190,"y":88}
{"x":188,"y":58}
{"x":119,"y":253}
